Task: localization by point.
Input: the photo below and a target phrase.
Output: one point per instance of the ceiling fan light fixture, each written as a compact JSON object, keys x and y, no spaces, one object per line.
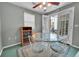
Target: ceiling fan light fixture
{"x":44,"y":3}
{"x":44,"y":8}
{"x":49,"y":4}
{"x":40,"y":6}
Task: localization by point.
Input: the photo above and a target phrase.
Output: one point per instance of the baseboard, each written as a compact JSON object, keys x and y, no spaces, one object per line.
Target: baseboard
{"x":11,"y":45}
{"x":1,"y":51}
{"x":8,"y":47}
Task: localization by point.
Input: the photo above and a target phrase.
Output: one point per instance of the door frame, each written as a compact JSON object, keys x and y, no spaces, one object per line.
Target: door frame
{"x":66,"y":11}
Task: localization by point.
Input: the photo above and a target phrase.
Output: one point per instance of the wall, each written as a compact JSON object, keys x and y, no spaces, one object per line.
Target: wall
{"x":12,"y":20}
{"x":75,"y":40}
{"x":0,"y":31}
{"x":76,"y":22}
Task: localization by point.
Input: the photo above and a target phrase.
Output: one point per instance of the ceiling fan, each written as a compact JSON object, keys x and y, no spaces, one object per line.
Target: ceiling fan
{"x":44,"y":5}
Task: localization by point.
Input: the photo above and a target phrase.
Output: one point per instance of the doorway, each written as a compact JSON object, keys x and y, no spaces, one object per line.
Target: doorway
{"x":61,"y":27}
{"x":53,"y":28}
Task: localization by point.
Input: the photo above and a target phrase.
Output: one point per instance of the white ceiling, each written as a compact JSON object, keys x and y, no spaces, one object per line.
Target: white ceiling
{"x":29,"y":5}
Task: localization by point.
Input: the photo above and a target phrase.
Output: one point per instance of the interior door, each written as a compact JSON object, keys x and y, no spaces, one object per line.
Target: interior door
{"x":65,"y":25}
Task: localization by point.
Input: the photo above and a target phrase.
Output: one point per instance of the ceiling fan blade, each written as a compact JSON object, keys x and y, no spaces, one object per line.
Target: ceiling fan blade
{"x":54,"y":3}
{"x":36,"y":5}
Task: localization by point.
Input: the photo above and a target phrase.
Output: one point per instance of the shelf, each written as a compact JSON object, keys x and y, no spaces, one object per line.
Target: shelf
{"x":25,"y":32}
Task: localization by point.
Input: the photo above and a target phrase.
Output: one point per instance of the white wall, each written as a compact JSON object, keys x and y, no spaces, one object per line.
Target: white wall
{"x":12,"y":20}
{"x":0,"y":31}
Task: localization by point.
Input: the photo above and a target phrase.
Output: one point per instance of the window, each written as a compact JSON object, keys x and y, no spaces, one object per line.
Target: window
{"x":64,"y":25}
{"x":29,"y":20}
